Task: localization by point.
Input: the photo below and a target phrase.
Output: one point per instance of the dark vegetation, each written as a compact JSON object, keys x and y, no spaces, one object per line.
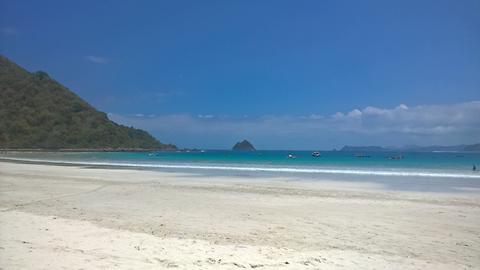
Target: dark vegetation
{"x":36,"y":112}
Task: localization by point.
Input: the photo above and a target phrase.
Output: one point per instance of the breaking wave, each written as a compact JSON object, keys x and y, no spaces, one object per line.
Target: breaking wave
{"x":346,"y":171}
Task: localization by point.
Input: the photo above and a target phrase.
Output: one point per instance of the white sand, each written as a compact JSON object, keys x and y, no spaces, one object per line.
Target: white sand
{"x":58,"y":217}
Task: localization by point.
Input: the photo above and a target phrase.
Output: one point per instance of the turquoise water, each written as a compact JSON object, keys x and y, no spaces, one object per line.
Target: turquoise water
{"x":457,"y":165}
{"x":432,"y":172}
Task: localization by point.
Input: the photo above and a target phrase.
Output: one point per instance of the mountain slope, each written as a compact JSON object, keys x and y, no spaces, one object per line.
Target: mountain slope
{"x":38,"y":112}
{"x":472,"y":147}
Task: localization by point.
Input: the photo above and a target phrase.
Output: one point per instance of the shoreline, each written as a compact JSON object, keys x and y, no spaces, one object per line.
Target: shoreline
{"x":158,"y":219}
{"x":258,"y":168}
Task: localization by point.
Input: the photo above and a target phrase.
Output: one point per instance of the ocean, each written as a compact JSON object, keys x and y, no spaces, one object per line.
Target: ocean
{"x":430,"y":171}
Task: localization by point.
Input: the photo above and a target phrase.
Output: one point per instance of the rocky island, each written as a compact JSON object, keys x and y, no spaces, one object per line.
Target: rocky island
{"x":243,"y":146}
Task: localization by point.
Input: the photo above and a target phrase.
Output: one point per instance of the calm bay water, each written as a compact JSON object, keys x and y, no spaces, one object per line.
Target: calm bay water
{"x":437,"y":164}
{"x":432,"y":172}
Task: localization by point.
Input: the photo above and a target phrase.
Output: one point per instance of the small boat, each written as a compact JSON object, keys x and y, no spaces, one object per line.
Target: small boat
{"x":291,"y":156}
{"x":316,"y":154}
{"x":398,"y":157}
{"x":362,"y":155}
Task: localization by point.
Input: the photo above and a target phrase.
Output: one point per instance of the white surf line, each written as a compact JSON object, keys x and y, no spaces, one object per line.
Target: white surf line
{"x":255,"y":169}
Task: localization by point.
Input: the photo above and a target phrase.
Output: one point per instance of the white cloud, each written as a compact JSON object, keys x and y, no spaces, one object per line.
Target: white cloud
{"x":355,"y":113}
{"x":420,"y":120}
{"x":97,"y":59}
{"x":205,"y":116}
{"x":429,"y":124}
{"x":164,"y":95}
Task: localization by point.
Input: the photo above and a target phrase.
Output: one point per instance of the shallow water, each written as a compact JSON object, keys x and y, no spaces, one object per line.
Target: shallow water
{"x":442,"y":171}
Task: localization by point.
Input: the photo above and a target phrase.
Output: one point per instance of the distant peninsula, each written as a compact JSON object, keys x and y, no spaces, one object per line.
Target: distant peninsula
{"x":243,"y":146}
{"x":37,"y":112}
{"x":415,"y":148}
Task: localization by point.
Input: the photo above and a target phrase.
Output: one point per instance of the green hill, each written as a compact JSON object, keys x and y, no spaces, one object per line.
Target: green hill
{"x":36,"y":112}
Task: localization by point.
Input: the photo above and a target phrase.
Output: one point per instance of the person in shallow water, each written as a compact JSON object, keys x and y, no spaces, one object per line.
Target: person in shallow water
{"x":474,"y":168}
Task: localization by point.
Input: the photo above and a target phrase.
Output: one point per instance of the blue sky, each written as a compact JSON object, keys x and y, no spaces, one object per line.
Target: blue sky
{"x":230,"y":69}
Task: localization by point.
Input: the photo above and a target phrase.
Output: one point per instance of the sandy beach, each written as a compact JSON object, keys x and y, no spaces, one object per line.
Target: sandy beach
{"x":73,"y":217}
